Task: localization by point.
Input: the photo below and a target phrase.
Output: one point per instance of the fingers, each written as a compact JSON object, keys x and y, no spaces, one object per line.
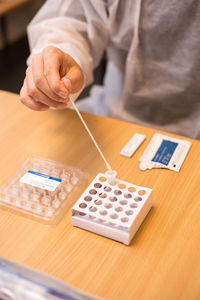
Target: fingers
{"x":76,"y":78}
{"x":40,"y":80}
{"x":67,"y":83}
{"x":53,"y":63}
{"x":38,"y":95}
{"x":29,"y":102}
{"x":51,"y":78}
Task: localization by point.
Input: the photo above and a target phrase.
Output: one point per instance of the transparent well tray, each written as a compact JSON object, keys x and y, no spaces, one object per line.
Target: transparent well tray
{"x":112,"y":209}
{"x":42,"y":189}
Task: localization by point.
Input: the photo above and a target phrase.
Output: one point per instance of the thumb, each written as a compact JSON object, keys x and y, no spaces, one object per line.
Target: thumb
{"x":67,"y":83}
{"x":74,"y":79}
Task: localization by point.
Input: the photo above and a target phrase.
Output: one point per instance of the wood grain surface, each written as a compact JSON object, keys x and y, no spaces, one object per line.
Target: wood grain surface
{"x":9,"y":5}
{"x":163,"y":260}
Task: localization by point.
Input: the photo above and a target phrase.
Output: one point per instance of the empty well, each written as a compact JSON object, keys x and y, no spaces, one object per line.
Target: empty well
{"x":114,"y":208}
{"x":38,"y":199}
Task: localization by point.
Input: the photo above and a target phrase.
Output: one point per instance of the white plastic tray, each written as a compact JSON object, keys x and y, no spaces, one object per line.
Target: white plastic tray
{"x":114,"y":210}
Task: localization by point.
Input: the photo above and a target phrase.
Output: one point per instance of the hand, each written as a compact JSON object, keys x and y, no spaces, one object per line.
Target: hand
{"x":50,"y":79}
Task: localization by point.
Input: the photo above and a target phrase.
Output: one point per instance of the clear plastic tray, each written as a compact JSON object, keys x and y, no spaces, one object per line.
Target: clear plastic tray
{"x":43,"y":189}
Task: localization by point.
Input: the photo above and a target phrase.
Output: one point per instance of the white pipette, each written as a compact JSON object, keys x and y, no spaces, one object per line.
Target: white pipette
{"x":90,"y":134}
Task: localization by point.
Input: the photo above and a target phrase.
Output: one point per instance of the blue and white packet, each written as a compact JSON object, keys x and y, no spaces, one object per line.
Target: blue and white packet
{"x":164,"y":152}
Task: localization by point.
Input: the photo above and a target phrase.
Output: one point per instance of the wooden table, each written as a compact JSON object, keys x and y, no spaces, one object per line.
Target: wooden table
{"x":163,"y":260}
{"x":5,"y":8}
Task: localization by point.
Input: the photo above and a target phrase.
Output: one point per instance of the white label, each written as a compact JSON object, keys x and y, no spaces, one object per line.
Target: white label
{"x":133,"y":144}
{"x":40,"y":180}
